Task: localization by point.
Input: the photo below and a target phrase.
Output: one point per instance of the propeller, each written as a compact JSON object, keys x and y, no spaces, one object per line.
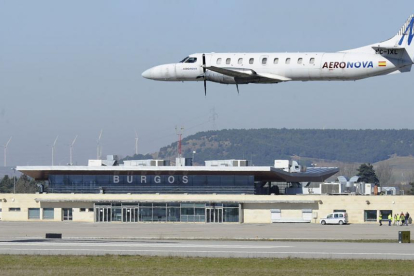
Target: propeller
{"x":204,"y":75}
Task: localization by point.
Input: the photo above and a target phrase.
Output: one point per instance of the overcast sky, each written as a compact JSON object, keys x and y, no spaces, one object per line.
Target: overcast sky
{"x":72,"y":68}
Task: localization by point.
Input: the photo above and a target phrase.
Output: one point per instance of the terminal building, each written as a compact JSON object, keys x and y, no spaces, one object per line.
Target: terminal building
{"x":223,"y":191}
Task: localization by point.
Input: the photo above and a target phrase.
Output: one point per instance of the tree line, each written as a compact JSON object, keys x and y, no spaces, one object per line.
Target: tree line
{"x":20,"y":185}
{"x":263,"y":146}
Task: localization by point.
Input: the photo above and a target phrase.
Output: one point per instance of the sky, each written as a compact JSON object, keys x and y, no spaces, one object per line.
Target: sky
{"x":74,"y":67}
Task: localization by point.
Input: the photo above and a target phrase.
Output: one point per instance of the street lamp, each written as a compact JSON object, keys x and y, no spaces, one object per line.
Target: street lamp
{"x":14,"y":180}
{"x":194,"y":152}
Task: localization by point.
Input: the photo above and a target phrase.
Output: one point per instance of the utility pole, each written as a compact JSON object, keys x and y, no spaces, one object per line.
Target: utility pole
{"x":71,"y":151}
{"x":213,"y":117}
{"x":5,"y":152}
{"x":53,"y":150}
{"x":179,"y":134}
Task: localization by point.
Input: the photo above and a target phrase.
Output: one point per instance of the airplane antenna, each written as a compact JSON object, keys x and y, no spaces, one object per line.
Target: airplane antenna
{"x":5,"y":151}
{"x":53,"y":150}
{"x":179,"y":134}
{"x":136,"y":143}
{"x":71,"y":151}
{"x":98,"y":147}
{"x":237,"y":86}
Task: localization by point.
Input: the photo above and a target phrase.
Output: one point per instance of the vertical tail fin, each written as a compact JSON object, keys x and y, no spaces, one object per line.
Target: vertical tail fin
{"x":405,"y":37}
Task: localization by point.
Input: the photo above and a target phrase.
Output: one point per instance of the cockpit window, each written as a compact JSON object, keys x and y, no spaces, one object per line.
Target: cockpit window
{"x":184,"y":60}
{"x":191,"y":60}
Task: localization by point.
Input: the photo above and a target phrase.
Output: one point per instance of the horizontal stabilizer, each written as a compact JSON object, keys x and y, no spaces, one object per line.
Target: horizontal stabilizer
{"x":405,"y":69}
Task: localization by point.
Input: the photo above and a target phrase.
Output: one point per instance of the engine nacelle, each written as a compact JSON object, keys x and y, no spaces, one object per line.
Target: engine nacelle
{"x":219,"y":78}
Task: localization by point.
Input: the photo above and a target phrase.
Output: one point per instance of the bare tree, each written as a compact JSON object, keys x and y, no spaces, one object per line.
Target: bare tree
{"x":384,"y":173}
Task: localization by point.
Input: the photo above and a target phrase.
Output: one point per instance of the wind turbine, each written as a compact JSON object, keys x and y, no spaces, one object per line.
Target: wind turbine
{"x":71,"y":150}
{"x":53,"y":150}
{"x":98,"y":148}
{"x":5,"y":151}
{"x":136,"y":143}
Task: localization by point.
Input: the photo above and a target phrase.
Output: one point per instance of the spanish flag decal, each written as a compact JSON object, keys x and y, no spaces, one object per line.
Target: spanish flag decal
{"x":382,"y":63}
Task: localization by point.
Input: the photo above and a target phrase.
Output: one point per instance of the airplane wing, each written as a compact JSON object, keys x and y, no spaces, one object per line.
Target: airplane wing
{"x":243,"y":73}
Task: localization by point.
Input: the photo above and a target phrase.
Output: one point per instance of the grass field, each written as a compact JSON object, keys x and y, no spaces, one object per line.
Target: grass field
{"x":137,"y":265}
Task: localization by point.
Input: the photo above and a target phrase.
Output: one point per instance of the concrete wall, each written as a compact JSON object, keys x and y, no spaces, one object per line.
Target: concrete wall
{"x":255,"y":209}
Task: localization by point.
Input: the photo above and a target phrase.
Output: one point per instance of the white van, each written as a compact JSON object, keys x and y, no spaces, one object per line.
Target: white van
{"x":335,"y":218}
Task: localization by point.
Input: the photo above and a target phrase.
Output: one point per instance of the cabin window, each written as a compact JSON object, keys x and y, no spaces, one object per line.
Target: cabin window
{"x":191,"y":60}
{"x":300,"y":60}
{"x":251,"y":61}
{"x":218,"y":61}
{"x":276,"y":61}
{"x":312,"y":61}
{"x":288,"y":61}
{"x":264,"y":61}
{"x":240,"y":61}
{"x":228,"y":61}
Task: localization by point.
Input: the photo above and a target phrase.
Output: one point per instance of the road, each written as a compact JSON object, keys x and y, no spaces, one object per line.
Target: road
{"x":245,"y":249}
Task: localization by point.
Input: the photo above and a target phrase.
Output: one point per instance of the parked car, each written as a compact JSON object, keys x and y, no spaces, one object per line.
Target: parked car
{"x":335,"y":218}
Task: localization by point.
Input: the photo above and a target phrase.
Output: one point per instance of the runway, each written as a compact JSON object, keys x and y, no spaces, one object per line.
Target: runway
{"x":236,"y":249}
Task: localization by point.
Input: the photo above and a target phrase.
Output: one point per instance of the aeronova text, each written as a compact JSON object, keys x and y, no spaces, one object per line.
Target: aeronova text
{"x":343,"y":65}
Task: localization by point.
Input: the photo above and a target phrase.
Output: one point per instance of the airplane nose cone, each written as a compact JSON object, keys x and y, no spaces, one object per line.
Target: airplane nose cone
{"x":162,"y":72}
{"x":147,"y":74}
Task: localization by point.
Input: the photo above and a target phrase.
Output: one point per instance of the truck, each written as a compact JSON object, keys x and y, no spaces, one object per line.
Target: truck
{"x":288,"y":166}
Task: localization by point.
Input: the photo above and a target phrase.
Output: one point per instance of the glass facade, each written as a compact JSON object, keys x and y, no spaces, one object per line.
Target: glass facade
{"x":221,"y":184}
{"x":167,"y":212}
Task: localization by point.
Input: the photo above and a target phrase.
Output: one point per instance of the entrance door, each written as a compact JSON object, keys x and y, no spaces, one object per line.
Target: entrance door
{"x":103,"y":214}
{"x":67,"y":213}
{"x":214,"y":215}
{"x":130,"y":214}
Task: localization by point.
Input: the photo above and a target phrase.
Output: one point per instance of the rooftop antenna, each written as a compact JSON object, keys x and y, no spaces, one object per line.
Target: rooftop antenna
{"x":53,"y":150}
{"x":179,"y":132}
{"x":99,"y":148}
{"x":136,"y":143}
{"x":71,"y":151}
{"x":5,"y":151}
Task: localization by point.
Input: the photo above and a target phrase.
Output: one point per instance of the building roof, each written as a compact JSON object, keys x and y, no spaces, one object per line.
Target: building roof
{"x":312,"y":174}
{"x":276,"y":200}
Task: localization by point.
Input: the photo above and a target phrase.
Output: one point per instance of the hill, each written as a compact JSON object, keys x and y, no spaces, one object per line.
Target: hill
{"x":262,"y":146}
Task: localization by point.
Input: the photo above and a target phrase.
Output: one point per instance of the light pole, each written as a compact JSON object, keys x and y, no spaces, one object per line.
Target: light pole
{"x":14,"y":180}
{"x":194,"y":152}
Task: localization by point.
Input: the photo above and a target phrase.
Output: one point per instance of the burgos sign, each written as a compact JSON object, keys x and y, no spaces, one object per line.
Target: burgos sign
{"x":150,"y":179}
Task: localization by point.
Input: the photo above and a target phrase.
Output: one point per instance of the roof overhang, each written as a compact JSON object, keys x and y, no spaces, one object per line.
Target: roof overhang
{"x":67,"y":200}
{"x":265,"y":174}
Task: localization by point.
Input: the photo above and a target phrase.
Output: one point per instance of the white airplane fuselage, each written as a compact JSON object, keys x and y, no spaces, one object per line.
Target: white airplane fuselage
{"x":395,"y":55}
{"x":292,"y":66}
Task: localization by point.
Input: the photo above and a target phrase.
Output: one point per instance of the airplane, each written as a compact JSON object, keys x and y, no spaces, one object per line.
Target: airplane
{"x":393,"y":56}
